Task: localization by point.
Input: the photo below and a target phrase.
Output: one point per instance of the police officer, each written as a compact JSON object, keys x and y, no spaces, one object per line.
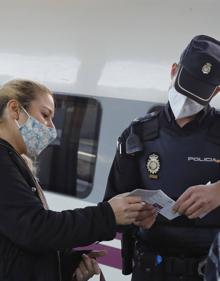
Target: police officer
{"x":177,"y":150}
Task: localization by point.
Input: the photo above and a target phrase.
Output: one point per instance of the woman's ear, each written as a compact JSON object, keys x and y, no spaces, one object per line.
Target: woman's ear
{"x":13,"y":109}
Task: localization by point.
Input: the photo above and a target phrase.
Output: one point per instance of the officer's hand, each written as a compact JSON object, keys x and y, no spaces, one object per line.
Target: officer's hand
{"x":198,"y":200}
{"x":126,"y":209}
{"x":147,"y":216}
{"x":88,"y":266}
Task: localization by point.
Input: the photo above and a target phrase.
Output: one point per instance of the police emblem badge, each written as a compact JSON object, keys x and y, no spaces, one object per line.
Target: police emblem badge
{"x":206,"y":68}
{"x":153,"y":166}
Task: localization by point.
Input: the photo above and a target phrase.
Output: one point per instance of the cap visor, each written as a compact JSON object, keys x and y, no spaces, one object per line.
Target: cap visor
{"x":193,"y":88}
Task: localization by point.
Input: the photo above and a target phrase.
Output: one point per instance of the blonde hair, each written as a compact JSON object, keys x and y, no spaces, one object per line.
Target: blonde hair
{"x":30,"y":163}
{"x":24,"y":91}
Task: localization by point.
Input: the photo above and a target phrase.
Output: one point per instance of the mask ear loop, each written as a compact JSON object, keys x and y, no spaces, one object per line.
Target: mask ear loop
{"x":18,"y":125}
{"x":25,"y":111}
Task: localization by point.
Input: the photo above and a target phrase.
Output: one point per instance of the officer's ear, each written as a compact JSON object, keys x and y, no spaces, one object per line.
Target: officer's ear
{"x":217,"y":90}
{"x":174,"y":69}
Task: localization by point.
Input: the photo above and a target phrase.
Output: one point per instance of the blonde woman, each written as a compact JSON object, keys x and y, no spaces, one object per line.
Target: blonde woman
{"x":35,"y":242}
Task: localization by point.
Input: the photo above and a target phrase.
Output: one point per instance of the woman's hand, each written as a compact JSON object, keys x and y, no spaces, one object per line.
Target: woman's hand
{"x":126,"y":208}
{"x":147,"y":216}
{"x":198,"y":200}
{"x":88,"y":266}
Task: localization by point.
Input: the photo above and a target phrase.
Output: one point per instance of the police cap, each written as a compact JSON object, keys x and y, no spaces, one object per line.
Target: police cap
{"x":199,"y":72}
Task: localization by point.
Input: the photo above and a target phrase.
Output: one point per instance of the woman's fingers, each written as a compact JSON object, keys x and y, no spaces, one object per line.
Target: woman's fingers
{"x":96,"y":254}
{"x":87,"y":267}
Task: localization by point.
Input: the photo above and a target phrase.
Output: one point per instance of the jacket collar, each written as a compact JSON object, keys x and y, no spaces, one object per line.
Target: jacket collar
{"x":5,"y":143}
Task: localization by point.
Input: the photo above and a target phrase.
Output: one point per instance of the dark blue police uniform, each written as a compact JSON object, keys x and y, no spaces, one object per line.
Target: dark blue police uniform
{"x":155,"y":153}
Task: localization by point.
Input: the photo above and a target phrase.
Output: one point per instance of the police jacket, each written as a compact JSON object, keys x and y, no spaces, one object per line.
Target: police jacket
{"x":155,"y":153}
{"x":31,"y":236}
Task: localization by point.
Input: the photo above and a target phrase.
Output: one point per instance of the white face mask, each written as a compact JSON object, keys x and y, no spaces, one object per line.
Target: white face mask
{"x":36,"y":135}
{"x":181,"y":105}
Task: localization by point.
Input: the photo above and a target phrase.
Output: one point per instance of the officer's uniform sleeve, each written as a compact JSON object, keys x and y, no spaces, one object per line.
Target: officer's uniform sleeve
{"x":124,"y":175}
{"x":29,"y":226}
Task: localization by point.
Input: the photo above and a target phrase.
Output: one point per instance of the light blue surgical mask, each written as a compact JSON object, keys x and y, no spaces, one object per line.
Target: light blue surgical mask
{"x":36,"y":135}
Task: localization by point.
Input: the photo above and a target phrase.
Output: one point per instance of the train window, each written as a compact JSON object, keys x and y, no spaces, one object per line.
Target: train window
{"x":67,"y":165}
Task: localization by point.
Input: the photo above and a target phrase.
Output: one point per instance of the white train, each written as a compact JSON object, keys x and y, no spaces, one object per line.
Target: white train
{"x":107,"y":61}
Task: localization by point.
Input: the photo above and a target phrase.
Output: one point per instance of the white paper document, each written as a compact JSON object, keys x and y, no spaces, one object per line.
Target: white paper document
{"x":158,"y":199}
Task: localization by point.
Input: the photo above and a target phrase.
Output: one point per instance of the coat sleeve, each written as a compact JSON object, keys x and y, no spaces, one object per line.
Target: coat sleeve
{"x":28,"y":225}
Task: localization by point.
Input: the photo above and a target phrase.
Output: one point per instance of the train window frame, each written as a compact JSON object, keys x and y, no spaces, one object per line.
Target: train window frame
{"x":67,"y":166}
